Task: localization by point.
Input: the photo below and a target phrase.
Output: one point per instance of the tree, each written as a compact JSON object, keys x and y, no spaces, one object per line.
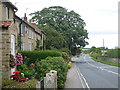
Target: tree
{"x":69,"y":24}
{"x":95,"y":50}
{"x":54,"y":39}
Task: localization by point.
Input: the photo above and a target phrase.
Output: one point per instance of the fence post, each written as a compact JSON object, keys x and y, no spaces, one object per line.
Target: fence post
{"x":50,"y":81}
{"x":55,"y":77}
{"x":38,"y":86}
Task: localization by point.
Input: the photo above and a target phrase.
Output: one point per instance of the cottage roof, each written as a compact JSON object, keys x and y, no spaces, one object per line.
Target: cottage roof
{"x":31,"y":25}
{"x":37,"y":29}
{"x":8,"y":3}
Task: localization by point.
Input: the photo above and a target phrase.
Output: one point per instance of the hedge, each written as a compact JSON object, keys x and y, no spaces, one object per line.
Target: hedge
{"x":52,"y":63}
{"x":114,"y":53}
{"x":32,"y":56}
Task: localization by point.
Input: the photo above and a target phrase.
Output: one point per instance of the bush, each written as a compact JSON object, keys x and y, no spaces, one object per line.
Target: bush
{"x":69,"y":65}
{"x":65,"y":50}
{"x":114,"y":53}
{"x":52,"y":63}
{"x":27,"y":70}
{"x":65,"y":55}
{"x":32,"y":56}
{"x":95,"y":55}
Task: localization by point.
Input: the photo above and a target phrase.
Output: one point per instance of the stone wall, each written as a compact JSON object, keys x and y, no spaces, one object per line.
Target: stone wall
{"x":115,"y":60}
{"x":5,"y":49}
{"x":0,"y":57}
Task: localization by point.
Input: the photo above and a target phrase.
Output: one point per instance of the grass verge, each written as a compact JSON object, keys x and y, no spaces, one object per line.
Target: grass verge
{"x":15,"y":84}
{"x":106,"y":62}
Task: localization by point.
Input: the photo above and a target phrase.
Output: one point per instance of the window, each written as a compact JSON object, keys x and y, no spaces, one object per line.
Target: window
{"x":32,"y":34}
{"x":22,"y":47}
{"x":29,"y":33}
{"x":23,"y":28}
{"x":7,"y":13}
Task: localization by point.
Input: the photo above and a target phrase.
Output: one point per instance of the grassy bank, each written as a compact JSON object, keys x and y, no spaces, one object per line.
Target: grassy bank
{"x":106,"y":62}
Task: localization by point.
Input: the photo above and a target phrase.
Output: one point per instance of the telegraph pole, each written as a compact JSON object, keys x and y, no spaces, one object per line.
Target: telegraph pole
{"x":103,"y":44}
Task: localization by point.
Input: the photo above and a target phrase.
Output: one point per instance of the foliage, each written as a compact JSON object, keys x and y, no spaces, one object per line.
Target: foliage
{"x":95,"y":50}
{"x":69,"y":64}
{"x":19,"y":41}
{"x":65,"y":55}
{"x":15,"y":60}
{"x":114,"y":53}
{"x":54,"y":38}
{"x":65,"y":50}
{"x":95,"y":55}
{"x":12,"y":61}
{"x":75,"y":50}
{"x":67,"y":23}
{"x":32,"y":56}
{"x":18,"y":59}
{"x":106,"y":62}
{"x":52,"y":63}
{"x":28,"y":71}
{"x":37,"y":44}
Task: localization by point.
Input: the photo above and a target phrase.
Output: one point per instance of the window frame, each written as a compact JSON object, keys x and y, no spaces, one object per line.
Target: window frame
{"x":7,"y":13}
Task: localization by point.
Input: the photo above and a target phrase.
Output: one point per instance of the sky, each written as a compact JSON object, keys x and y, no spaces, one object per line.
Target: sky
{"x":100,"y":16}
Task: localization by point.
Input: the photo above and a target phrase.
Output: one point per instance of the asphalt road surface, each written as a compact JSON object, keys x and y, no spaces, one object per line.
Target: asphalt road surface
{"x":95,"y":74}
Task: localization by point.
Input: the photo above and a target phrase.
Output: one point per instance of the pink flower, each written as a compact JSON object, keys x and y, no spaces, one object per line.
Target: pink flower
{"x":32,"y":64}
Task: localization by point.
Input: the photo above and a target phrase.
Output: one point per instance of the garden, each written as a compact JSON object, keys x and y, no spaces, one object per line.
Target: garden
{"x":33,"y":65}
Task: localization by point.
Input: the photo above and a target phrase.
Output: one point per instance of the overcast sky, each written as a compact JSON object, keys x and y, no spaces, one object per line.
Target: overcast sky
{"x":100,"y":16}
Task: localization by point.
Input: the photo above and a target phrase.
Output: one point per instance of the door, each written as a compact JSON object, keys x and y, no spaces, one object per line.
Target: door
{"x":13,"y":45}
{"x":13,"y":51}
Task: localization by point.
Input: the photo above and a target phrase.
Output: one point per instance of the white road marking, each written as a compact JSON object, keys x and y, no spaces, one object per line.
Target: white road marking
{"x":100,"y":67}
{"x":81,"y":75}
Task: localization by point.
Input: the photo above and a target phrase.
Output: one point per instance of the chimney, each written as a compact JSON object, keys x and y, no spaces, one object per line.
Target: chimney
{"x":25,"y":17}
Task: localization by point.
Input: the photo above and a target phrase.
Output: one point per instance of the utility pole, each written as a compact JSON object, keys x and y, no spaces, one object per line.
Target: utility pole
{"x":103,"y":44}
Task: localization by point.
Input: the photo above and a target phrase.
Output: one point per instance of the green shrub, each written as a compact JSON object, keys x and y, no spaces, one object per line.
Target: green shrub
{"x":52,"y":63}
{"x":65,"y":55}
{"x":95,"y":55}
{"x":69,"y":65}
{"x":32,"y":56}
{"x":114,"y":53}
{"x":27,"y":70}
{"x":65,"y":50}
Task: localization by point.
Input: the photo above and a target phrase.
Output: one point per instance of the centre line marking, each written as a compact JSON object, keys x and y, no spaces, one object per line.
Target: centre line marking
{"x":100,"y":67}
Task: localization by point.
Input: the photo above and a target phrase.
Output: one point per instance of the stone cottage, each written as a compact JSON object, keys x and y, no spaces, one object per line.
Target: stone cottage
{"x":15,"y":34}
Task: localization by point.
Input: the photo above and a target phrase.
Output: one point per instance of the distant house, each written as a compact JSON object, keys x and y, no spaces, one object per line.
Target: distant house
{"x":15,"y":34}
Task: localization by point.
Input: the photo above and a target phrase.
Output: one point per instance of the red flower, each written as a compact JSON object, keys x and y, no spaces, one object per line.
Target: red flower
{"x":16,"y":72}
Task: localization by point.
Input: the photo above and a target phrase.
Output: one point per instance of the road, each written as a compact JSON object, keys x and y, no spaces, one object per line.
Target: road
{"x":95,"y":74}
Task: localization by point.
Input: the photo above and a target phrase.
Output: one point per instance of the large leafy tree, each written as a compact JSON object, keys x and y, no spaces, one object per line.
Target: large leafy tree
{"x":66,"y":22}
{"x":54,"y":39}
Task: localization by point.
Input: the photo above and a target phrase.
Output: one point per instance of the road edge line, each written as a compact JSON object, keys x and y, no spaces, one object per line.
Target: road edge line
{"x":81,"y":76}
